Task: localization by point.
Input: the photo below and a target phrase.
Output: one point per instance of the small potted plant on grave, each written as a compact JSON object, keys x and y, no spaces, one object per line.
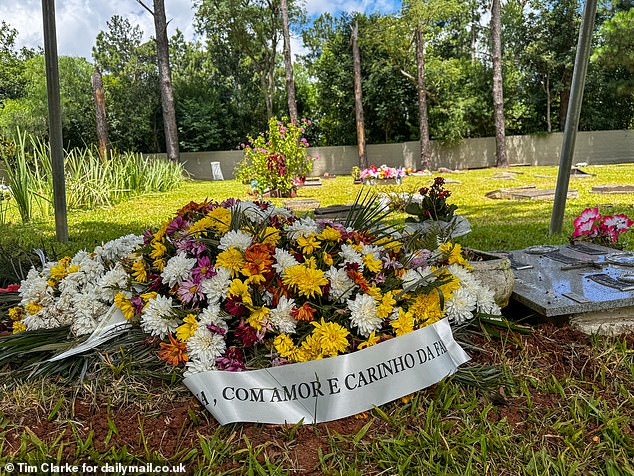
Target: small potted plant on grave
{"x":432,"y":214}
{"x":276,"y":160}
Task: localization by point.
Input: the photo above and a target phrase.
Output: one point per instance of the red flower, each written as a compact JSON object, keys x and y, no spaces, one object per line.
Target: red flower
{"x":11,"y":288}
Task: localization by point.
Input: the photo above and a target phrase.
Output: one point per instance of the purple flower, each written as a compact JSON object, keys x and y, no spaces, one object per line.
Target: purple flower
{"x":232,"y":361}
{"x":203,"y":269}
{"x":189,"y":291}
{"x":176,"y":224}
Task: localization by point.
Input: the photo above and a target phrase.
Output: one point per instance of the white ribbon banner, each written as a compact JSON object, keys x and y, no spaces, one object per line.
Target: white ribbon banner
{"x":332,"y":388}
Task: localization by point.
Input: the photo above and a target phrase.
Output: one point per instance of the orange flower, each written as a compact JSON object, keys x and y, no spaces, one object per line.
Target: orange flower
{"x":358,"y":279}
{"x":174,"y":352}
{"x":257,"y":262}
{"x":304,"y":313}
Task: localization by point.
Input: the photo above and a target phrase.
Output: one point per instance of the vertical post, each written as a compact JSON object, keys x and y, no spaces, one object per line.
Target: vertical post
{"x":572,"y":117}
{"x":56,"y":141}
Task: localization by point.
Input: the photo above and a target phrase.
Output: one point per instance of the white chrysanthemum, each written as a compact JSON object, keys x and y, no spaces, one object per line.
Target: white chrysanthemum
{"x":158,"y":318}
{"x":120,"y":248}
{"x":485,"y":301}
{"x":56,"y":314}
{"x":281,"y":317}
{"x":88,"y":312}
{"x":211,"y":315}
{"x":363,"y":309}
{"x":250,"y":210}
{"x":205,"y":345}
{"x":281,"y":212}
{"x":349,"y":255}
{"x":463,"y":275}
{"x":112,"y":282}
{"x":341,"y":286}
{"x":90,"y":267}
{"x":303,"y":227}
{"x":216,"y":287}
{"x":178,"y":269}
{"x":460,"y":306}
{"x":283,"y":261}
{"x":416,"y":277}
{"x":196,"y":366}
{"x":34,"y":288}
{"x":235,"y":238}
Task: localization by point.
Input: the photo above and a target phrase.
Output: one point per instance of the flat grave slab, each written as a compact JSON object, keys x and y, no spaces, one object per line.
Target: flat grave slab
{"x":607,"y":189}
{"x":301,"y":204}
{"x":527,"y":192}
{"x":312,"y":182}
{"x":572,"y":279}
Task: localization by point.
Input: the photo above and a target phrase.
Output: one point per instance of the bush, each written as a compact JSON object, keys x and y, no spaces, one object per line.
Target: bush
{"x":276,"y":160}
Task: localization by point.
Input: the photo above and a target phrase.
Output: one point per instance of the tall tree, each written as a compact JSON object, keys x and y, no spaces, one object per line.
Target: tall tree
{"x":358,"y":95}
{"x":165,"y":80}
{"x":288,"y":64}
{"x":422,"y":16}
{"x":498,"y":94}
{"x":250,"y":27}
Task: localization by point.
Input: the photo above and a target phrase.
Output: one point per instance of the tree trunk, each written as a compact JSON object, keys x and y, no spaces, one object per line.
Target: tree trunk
{"x":498,"y":94}
{"x":549,"y":124}
{"x":165,"y":81}
{"x":288,"y":63}
{"x":358,"y":96}
{"x":100,"y":109}
{"x":423,"y":126}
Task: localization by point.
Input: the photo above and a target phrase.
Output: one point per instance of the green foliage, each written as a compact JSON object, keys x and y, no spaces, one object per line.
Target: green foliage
{"x":276,"y":159}
{"x":433,"y":205}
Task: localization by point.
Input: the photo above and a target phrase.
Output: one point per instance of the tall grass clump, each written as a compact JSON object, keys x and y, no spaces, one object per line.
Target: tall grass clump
{"x":90,"y":181}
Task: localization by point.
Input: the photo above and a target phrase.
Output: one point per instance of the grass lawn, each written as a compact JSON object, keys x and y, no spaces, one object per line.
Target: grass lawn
{"x":564,"y":406}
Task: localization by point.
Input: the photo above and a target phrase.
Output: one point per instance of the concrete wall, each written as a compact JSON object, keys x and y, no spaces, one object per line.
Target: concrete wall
{"x":599,"y":147}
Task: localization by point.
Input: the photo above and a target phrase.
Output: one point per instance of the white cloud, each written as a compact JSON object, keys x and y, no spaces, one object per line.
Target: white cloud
{"x":79,"y":21}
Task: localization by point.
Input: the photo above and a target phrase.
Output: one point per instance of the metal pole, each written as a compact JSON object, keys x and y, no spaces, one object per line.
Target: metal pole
{"x":572,"y":116}
{"x":56,"y":140}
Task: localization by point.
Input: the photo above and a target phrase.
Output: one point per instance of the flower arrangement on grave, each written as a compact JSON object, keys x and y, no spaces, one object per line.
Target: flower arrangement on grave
{"x":275,"y":161}
{"x":604,"y":230}
{"x":242,"y":285}
{"x":431,"y":213}
{"x":373,"y":174}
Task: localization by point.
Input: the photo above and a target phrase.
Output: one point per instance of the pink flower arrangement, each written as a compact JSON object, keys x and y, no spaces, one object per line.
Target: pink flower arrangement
{"x":590,"y":225}
{"x":384,"y":172}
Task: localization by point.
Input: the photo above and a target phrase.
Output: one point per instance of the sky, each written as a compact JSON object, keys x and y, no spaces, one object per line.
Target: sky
{"x":79,"y":21}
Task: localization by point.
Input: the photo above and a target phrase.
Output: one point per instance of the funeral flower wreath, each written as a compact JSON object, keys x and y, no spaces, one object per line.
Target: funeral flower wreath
{"x":242,"y":285}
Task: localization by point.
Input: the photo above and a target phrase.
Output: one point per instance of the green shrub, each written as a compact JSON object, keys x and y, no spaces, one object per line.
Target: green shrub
{"x":276,"y":160}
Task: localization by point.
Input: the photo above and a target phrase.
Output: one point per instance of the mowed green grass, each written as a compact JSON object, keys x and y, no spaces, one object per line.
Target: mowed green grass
{"x":496,"y":224}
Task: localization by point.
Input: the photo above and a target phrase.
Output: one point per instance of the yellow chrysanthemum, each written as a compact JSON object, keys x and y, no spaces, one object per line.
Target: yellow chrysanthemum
{"x":452,"y":284}
{"x":271,"y":236}
{"x":389,"y":244}
{"x":284,"y":346}
{"x":232,"y":259}
{"x":159,"y":264}
{"x":372,"y":340}
{"x":308,"y":244}
{"x":426,"y":308}
{"x":60,"y":271}
{"x":310,"y":349}
{"x":139,"y":272}
{"x":238,"y":288}
{"x":16,"y":313}
{"x":404,"y":324}
{"x":331,"y":336}
{"x":160,"y":234}
{"x":201,"y":226}
{"x":220,"y":220}
{"x":372,"y":264}
{"x":33,"y":308}
{"x":18,"y":327}
{"x":158,"y":250}
{"x":123,"y":303}
{"x":147,"y":296}
{"x":375,"y":292}
{"x":386,"y":305}
{"x":327,"y":259}
{"x":330,"y":234}
{"x":307,"y":281}
{"x":453,"y":254}
{"x":187,"y":328}
{"x":258,"y":317}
